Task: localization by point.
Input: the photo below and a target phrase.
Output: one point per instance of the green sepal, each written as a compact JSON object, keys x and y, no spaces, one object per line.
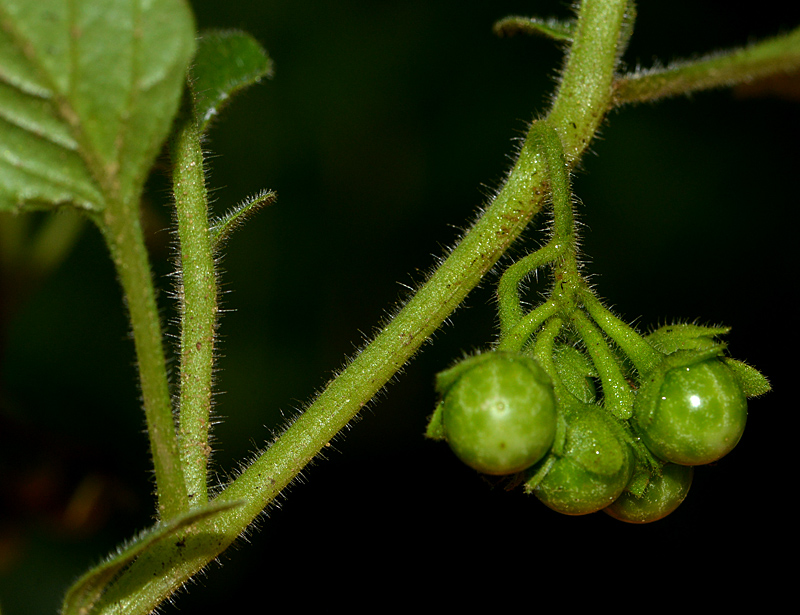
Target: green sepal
{"x":444,"y":380}
{"x":682,"y":336}
{"x":447,"y":378}
{"x":590,"y":429}
{"x":576,"y":371}
{"x":639,"y":480}
{"x":594,"y":444}
{"x":435,"y":430}
{"x":752,"y":381}
{"x":556,"y":29}
{"x":226,"y":62}
{"x":222,"y":227}
{"x":650,"y":388}
{"x":593,"y":469}
{"x":85,"y":593}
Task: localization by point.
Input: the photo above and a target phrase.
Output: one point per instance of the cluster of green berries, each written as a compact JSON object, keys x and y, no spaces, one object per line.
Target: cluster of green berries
{"x":540,"y":417}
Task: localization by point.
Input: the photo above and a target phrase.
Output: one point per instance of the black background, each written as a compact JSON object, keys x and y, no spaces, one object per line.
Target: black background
{"x":385,"y":125}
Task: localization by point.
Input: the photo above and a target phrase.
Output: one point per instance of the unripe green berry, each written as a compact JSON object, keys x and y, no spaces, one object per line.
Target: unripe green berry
{"x":499,"y":416}
{"x":698,"y":415}
{"x":593,"y":469}
{"x":661,"y":497}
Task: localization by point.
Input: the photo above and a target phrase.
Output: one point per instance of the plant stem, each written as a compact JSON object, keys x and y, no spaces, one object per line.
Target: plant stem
{"x":123,"y":234}
{"x":198,"y":296}
{"x":157,"y":574}
{"x":645,"y":358}
{"x":478,"y":251}
{"x":774,"y":55}
{"x":617,"y":393}
{"x":561,"y":244}
{"x":516,"y":338}
{"x":584,"y":95}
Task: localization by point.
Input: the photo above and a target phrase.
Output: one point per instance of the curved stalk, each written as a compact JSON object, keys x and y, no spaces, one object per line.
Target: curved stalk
{"x":562,"y":241}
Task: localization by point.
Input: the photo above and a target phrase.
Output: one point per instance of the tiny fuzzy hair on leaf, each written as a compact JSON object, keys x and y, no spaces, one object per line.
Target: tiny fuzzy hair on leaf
{"x":222,"y":227}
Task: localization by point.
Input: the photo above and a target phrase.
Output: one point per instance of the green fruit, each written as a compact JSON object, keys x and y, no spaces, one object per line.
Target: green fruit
{"x":698,"y":415}
{"x":661,"y":496}
{"x":499,"y":415}
{"x":593,"y":469}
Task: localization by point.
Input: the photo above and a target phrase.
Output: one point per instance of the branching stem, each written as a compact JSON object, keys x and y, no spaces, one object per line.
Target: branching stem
{"x":583,"y":99}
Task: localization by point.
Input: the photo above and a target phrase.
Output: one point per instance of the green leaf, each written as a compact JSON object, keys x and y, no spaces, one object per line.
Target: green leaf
{"x":752,"y":381}
{"x":556,"y":29}
{"x":85,"y":593}
{"x":88,"y":91}
{"x":222,"y":227}
{"x":226,"y":62}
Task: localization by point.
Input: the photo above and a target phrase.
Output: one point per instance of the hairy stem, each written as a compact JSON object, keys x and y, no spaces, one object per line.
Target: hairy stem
{"x":774,"y":55}
{"x":198,"y":296}
{"x":561,"y":243}
{"x":584,"y":95}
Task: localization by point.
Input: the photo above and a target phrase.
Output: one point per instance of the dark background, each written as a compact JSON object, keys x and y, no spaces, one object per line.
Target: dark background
{"x":385,"y":125}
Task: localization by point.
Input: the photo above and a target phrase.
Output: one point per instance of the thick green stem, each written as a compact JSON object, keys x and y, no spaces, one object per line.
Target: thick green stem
{"x":123,"y":234}
{"x":584,"y":95}
{"x":198,"y":294}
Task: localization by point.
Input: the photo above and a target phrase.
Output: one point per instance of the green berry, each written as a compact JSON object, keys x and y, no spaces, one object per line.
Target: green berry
{"x":698,"y":415}
{"x":592,"y":470}
{"x":499,"y":416}
{"x":662,"y":495}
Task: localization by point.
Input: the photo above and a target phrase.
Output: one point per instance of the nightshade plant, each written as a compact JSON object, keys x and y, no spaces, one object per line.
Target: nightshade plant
{"x":90,"y":91}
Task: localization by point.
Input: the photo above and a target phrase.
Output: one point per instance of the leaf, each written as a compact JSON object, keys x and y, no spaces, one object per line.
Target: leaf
{"x":88,"y":91}
{"x":752,"y":381}
{"x":226,"y":62}
{"x":222,"y":227}
{"x":85,"y":593}
{"x":556,"y":29}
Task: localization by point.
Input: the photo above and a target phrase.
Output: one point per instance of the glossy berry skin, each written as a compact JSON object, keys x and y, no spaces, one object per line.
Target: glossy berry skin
{"x":593,"y":469}
{"x":698,"y":416}
{"x":499,"y":416}
{"x":661,"y":497}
